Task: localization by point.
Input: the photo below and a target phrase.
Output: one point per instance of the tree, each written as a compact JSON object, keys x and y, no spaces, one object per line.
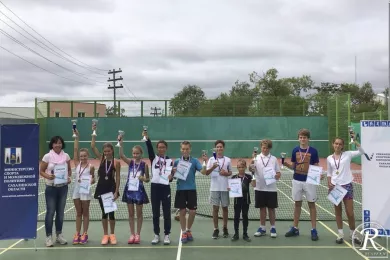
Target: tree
{"x":188,"y":101}
{"x":110,"y":112}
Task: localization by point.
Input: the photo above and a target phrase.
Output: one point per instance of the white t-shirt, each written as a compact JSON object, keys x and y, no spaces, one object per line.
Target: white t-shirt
{"x":345,"y":174}
{"x":261,"y":162}
{"x":219,"y":183}
{"x":84,"y":172}
{"x":50,"y":166}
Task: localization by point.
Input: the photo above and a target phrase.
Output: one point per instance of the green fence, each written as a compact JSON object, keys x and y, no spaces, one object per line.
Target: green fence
{"x":241,"y":134}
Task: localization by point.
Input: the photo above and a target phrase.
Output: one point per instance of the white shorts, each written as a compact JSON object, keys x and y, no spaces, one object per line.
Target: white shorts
{"x":219,"y":198}
{"x":300,"y":188}
{"x":77,"y":195}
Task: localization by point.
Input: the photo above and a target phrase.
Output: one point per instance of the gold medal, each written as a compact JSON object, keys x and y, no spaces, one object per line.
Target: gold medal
{"x":337,"y":172}
{"x":79,"y":180}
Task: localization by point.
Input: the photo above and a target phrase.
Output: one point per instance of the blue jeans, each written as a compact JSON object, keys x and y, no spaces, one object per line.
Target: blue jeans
{"x":55,"y":203}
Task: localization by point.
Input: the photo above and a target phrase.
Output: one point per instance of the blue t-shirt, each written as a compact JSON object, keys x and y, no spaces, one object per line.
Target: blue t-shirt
{"x":302,"y":162}
{"x":189,"y":183}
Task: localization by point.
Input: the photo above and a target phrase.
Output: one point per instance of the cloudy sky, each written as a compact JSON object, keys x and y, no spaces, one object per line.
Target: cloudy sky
{"x":162,"y":45}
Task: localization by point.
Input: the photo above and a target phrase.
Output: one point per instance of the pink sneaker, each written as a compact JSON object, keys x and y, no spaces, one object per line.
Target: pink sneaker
{"x":137,"y":239}
{"x":84,"y":239}
{"x":131,"y":239}
{"x":76,"y":239}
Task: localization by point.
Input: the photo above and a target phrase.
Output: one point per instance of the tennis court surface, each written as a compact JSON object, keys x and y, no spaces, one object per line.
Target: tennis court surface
{"x":203,"y":245}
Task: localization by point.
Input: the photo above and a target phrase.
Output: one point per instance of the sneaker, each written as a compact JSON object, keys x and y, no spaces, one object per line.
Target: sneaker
{"x":131,"y":240}
{"x":61,"y":240}
{"x":314,"y":234}
{"x":105,"y":240}
{"x":76,"y":239}
{"x":235,"y":237}
{"x":49,"y":241}
{"x":340,"y":239}
{"x":84,"y":238}
{"x":137,"y":239}
{"x":246,"y":237}
{"x":293,"y":232}
{"x":273,"y":232}
{"x":260,"y":232}
{"x":156,"y":240}
{"x":189,"y":236}
{"x":167,"y":241}
{"x":225,"y":232}
{"x":215,"y":233}
{"x":113,"y":239}
{"x":184,"y":237}
{"x":355,"y":240}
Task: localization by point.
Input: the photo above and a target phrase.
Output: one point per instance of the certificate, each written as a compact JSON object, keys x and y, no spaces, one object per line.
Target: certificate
{"x":269,"y":175}
{"x":182,"y":170}
{"x":235,"y":188}
{"x":164,"y":176}
{"x":61,"y":174}
{"x":337,"y":194}
{"x":133,"y":184}
{"x":108,"y":202}
{"x":314,"y":175}
{"x":85,"y":184}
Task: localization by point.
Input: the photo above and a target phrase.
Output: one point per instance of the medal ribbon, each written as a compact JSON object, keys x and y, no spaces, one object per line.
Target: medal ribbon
{"x":220,"y":167}
{"x":300,"y":154}
{"x":81,"y":172}
{"x":109,"y":168}
{"x":335,"y":164}
{"x":135,"y":172}
{"x":269,"y":158}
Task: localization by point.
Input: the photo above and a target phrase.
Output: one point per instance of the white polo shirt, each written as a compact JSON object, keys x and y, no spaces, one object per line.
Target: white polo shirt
{"x":261,"y":162}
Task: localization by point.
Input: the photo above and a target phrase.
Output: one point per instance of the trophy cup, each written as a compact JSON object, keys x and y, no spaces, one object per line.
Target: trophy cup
{"x":94,"y":124}
{"x":120,"y":135}
{"x":283,"y":155}
{"x":255,"y":149}
{"x":350,"y":128}
{"x":204,"y":153}
{"x":74,"y":121}
{"x":146,"y":130}
{"x":215,"y":154}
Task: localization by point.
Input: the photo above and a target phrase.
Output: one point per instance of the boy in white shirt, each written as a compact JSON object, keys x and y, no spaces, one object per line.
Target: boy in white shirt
{"x":220,"y":169}
{"x":266,"y":196}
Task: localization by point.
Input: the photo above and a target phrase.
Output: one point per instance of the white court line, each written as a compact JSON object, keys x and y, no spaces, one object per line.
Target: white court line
{"x":178,"y":256}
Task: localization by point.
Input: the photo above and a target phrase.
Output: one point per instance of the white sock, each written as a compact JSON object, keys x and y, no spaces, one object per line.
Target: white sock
{"x":341,"y":232}
{"x":351,"y":232}
{"x":272,"y":226}
{"x":262,"y":227}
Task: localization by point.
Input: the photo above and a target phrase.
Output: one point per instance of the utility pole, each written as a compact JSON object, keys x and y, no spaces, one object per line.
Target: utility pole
{"x":113,"y":72}
{"x":154,"y":111}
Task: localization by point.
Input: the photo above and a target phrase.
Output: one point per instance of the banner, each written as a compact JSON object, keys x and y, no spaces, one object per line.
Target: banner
{"x":375,"y":136}
{"x":19,"y":177}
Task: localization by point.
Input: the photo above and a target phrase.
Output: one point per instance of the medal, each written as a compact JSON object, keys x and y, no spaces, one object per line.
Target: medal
{"x":337,"y":172}
{"x":337,"y":165}
{"x":106,"y":178}
{"x":108,"y":170}
{"x":79,"y":181}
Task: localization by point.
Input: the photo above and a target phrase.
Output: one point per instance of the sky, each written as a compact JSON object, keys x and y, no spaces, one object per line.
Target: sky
{"x":163,"y":45}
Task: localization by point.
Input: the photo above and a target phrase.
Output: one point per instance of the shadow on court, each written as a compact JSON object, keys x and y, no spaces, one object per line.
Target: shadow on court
{"x":203,"y":246}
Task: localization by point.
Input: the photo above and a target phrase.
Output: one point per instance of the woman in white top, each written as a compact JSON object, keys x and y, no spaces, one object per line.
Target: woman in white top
{"x":339,"y":173}
{"x":55,"y":169}
{"x":81,"y":198}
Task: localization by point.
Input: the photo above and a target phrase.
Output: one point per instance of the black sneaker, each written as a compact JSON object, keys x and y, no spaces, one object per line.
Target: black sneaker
{"x":225,"y":232}
{"x":215,"y":234}
{"x":235,"y":237}
{"x":246,"y":237}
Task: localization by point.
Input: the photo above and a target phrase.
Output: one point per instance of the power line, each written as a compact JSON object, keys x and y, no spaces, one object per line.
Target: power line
{"x":114,"y":80}
{"x":154,"y":111}
{"x":47,"y":39}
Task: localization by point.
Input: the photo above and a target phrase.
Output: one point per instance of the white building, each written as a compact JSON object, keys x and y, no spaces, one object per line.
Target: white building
{"x":381,"y":98}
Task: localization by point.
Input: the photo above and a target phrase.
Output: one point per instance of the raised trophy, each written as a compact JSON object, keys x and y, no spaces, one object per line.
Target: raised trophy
{"x":350,"y":128}
{"x":146,"y":130}
{"x":94,"y":124}
{"x":283,"y":155}
{"x":204,"y":153}
{"x":74,"y":122}
{"x":255,"y":149}
{"x":215,"y":154}
{"x":120,"y":135}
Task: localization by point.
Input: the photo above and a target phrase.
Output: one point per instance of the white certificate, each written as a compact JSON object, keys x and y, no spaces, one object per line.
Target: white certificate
{"x":314,"y":175}
{"x":133,"y":184}
{"x":85,"y":184}
{"x":164,"y":176}
{"x":269,"y":175}
{"x":108,"y":202}
{"x":61,"y":174}
{"x":337,"y":194}
{"x":235,"y":188}
{"x":182,"y":170}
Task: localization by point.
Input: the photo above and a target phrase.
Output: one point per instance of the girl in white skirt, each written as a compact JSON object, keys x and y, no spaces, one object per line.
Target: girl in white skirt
{"x":81,"y":197}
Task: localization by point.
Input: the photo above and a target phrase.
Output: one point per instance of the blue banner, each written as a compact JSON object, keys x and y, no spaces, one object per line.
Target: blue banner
{"x":19,"y":177}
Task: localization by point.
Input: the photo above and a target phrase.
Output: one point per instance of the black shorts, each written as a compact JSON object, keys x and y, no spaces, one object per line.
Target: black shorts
{"x":186,"y":199}
{"x":266,"y":199}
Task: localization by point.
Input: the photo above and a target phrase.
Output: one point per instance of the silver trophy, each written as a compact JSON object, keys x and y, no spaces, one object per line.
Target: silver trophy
{"x":94,"y":124}
{"x":283,"y":155}
{"x":350,"y":128}
{"x":74,"y":122}
{"x":120,"y":135}
{"x":146,"y":130}
{"x":204,"y":153}
{"x":255,"y":149}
